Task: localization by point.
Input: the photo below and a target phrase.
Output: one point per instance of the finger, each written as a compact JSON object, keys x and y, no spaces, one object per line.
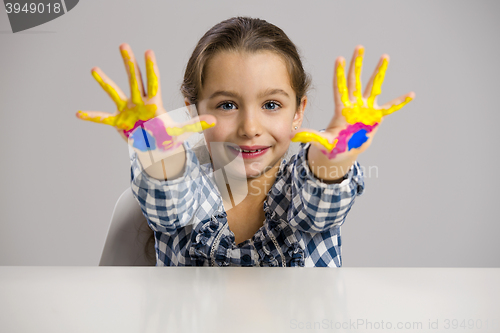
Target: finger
{"x":152,"y":74}
{"x":171,"y":136}
{"x":130,"y":119}
{"x":110,"y":87}
{"x":354,"y":76}
{"x":134,"y":74}
{"x":97,"y":117}
{"x":374,"y":87}
{"x":198,"y":125}
{"x":316,"y":138}
{"x":397,"y":103}
{"x":340,"y":92}
{"x":195,"y":125}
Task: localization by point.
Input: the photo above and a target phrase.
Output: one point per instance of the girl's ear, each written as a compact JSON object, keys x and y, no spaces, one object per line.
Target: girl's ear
{"x":299,"y":114}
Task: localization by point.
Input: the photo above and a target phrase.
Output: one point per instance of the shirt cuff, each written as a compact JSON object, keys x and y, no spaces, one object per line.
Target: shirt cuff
{"x":353,"y":178}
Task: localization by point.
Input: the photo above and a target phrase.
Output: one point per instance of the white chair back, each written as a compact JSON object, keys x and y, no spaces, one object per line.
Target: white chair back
{"x":127,"y":236}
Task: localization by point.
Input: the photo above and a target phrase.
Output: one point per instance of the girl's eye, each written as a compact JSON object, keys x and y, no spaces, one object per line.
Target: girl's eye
{"x":227,"y":106}
{"x":271,"y":105}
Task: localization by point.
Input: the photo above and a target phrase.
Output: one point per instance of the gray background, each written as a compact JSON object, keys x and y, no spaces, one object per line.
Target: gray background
{"x":432,"y":203}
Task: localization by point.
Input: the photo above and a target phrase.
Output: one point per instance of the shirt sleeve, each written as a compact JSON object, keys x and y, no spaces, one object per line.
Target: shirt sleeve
{"x":172,"y":204}
{"x":317,"y":206}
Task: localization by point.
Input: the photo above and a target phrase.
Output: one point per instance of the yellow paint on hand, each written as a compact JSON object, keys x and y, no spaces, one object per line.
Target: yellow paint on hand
{"x":377,"y":83}
{"x":167,"y":145}
{"x":396,"y":107}
{"x":359,"y":114}
{"x":134,"y":86}
{"x":106,"y":120}
{"x":152,"y":78}
{"x":128,"y":113}
{"x":342,"y":84}
{"x":358,"y":64}
{"x":126,"y":119}
{"x":120,"y":103}
{"x":129,"y":117}
{"x":313,"y":137}
{"x":196,"y":127}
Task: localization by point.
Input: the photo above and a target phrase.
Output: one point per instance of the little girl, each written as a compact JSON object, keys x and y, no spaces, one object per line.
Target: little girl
{"x":245,"y":88}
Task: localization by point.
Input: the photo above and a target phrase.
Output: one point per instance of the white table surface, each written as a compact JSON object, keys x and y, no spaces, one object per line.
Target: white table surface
{"x":204,"y":299}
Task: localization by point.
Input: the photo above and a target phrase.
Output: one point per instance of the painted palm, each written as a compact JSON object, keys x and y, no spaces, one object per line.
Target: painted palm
{"x":141,"y":119}
{"x":359,"y":116}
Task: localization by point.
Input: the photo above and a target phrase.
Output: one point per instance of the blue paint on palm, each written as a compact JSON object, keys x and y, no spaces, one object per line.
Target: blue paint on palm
{"x":357,"y":139}
{"x":143,"y":140}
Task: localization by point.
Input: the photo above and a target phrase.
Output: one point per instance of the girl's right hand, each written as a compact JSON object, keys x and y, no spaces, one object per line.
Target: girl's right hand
{"x":162,"y":133}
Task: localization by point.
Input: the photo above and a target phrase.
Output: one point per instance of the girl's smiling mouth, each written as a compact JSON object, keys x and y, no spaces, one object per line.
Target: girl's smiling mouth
{"x":248,"y":151}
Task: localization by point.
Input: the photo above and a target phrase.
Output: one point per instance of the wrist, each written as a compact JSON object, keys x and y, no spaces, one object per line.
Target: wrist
{"x":163,"y":165}
{"x":330,"y":170}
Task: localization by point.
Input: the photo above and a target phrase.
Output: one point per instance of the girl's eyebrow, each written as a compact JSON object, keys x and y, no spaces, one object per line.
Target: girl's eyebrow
{"x":224,"y":93}
{"x":262,"y":94}
{"x":276,"y":91}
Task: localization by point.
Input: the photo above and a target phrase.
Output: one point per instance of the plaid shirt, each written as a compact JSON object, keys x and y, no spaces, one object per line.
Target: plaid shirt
{"x":302,"y":225}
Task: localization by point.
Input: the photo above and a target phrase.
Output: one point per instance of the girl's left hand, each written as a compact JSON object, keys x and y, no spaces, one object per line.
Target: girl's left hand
{"x":357,"y":116}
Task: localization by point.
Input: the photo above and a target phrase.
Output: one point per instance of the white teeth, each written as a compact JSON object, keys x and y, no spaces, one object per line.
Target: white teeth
{"x":247,"y":151}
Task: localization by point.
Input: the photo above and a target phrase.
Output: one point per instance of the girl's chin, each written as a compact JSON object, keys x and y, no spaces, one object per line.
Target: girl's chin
{"x":248,"y":171}
{"x":242,"y":174}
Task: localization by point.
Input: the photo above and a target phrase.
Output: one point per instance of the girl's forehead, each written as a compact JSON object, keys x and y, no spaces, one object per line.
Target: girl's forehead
{"x":245,"y":63}
{"x":263,"y":70}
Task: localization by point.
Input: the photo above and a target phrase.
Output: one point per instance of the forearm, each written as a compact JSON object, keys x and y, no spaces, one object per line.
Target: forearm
{"x":317,"y":204}
{"x":329,"y":171}
{"x":168,"y":205}
{"x":163,"y":165}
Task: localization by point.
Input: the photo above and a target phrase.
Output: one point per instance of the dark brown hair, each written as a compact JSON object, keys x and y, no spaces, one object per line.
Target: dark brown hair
{"x":248,"y":35}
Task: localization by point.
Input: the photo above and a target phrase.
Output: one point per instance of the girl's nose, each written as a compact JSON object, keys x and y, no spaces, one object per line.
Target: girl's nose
{"x":250,"y":124}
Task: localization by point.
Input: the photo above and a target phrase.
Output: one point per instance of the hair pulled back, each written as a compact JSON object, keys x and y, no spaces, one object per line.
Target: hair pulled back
{"x":248,"y":35}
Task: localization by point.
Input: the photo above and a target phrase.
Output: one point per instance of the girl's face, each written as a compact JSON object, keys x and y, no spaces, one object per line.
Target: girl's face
{"x":255,"y":106}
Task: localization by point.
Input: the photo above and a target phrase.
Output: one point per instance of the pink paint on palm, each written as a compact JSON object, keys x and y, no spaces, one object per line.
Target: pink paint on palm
{"x":159,"y":132}
{"x":344,"y":135}
{"x":156,"y":128}
{"x":137,"y":124}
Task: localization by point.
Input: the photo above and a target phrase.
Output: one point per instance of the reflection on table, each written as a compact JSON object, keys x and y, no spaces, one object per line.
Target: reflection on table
{"x":235,"y":299}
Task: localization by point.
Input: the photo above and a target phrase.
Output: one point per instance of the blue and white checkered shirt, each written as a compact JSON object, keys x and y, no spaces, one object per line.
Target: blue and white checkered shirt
{"x":302,"y":226}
